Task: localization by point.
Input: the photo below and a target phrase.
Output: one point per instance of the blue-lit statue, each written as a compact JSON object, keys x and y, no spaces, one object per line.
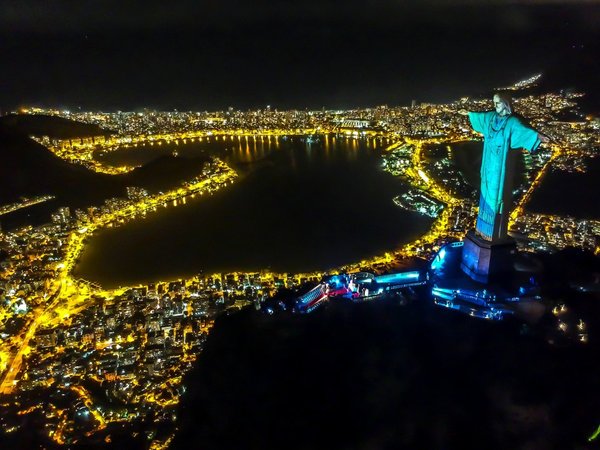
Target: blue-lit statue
{"x":502,"y":131}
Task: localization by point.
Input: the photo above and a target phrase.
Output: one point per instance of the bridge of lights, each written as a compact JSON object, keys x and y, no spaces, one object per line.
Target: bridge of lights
{"x":145,"y":373}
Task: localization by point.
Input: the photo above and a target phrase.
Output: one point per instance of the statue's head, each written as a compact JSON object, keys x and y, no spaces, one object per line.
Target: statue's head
{"x":502,"y":103}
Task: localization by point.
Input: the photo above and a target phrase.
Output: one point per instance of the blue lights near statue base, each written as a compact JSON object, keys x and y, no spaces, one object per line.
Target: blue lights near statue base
{"x":451,"y":287}
{"x":455,"y":289}
{"x":478,"y":304}
{"x":357,"y":287}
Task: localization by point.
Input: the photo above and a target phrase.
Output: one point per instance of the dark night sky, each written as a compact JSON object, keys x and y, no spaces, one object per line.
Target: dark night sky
{"x":211,"y":54}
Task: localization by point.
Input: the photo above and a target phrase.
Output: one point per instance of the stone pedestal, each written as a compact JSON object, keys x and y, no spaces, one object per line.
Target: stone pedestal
{"x":483,"y":261}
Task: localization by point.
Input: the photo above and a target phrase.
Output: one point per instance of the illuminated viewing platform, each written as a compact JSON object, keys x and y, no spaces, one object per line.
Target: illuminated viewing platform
{"x":70,"y":338}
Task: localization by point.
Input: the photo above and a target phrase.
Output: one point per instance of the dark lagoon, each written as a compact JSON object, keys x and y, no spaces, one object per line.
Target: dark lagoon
{"x":298,"y":206}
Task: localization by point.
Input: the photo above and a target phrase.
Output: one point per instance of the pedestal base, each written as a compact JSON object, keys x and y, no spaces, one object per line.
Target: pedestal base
{"x":483,"y":261}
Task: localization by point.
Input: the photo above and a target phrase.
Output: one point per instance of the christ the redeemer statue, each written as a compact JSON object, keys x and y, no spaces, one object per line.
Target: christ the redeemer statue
{"x":502,"y":131}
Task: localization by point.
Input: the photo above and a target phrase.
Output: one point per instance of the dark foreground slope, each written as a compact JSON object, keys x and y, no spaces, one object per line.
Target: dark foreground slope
{"x":383,"y":376}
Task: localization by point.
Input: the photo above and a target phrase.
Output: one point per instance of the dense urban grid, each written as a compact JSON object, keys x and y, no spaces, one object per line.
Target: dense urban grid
{"x":112,"y":361}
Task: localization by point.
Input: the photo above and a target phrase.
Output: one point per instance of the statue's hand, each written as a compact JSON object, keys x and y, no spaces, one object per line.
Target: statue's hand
{"x":543,"y":138}
{"x":463,"y":112}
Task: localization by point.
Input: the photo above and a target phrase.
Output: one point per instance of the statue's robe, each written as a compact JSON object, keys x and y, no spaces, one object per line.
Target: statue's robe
{"x":500,"y":134}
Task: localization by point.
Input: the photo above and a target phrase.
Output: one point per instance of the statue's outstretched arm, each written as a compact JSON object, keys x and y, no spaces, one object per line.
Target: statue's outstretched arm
{"x":543,"y":138}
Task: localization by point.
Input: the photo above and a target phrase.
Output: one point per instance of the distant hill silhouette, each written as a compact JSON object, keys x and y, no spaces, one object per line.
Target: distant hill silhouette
{"x":54,"y":127}
{"x":164,"y":172}
{"x":28,"y":168}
